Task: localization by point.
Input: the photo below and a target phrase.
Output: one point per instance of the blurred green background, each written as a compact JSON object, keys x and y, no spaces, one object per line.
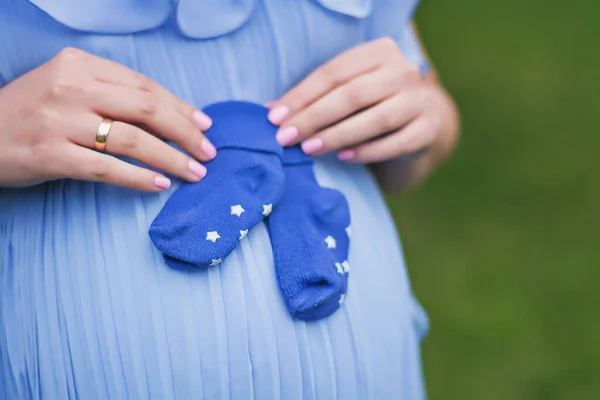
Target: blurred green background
{"x":502,"y":243}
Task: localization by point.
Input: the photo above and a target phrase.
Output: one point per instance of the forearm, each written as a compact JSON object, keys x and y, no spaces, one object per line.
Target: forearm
{"x":398,"y":175}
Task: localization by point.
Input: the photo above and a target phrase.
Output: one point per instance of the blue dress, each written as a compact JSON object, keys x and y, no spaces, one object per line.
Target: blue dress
{"x":89,"y":310}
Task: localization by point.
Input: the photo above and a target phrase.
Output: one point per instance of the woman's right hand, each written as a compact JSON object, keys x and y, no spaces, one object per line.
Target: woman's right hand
{"x":49,"y":118}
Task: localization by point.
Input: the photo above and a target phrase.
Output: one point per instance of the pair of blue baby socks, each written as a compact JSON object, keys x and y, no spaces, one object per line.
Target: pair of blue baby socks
{"x":252,"y":179}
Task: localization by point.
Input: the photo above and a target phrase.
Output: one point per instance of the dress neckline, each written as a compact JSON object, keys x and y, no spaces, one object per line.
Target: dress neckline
{"x":196,"y":19}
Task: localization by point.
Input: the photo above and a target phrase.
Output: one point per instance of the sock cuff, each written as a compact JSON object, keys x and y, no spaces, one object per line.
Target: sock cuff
{"x":295,"y":156}
{"x":242,"y":125}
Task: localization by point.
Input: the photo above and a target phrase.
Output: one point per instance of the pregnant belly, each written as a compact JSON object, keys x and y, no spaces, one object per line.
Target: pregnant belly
{"x":90,"y":310}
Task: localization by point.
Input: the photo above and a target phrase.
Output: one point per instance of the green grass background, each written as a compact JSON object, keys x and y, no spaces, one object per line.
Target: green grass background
{"x":503,"y":243}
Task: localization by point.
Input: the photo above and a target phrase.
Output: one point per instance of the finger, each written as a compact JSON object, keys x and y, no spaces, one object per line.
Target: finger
{"x":358,"y":94}
{"x":89,"y":165}
{"x":387,"y":116}
{"x":128,"y":140}
{"x":341,"y":69}
{"x":147,"y":108}
{"x":412,"y":139}
{"x":108,"y":71}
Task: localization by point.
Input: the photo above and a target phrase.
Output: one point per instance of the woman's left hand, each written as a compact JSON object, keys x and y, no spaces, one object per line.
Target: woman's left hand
{"x":370,"y":104}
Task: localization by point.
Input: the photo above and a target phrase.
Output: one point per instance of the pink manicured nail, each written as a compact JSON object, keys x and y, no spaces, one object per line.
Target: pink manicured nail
{"x":197,"y":169}
{"x":208,"y":149}
{"x":311,"y":145}
{"x":346,"y":155}
{"x":278,"y":114}
{"x":204,"y":123}
{"x":162,"y":182}
{"x":285,"y":136}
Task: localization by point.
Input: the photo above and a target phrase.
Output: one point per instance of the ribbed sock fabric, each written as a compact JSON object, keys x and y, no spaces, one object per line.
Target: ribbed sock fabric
{"x":203,"y":222}
{"x":309,"y":232}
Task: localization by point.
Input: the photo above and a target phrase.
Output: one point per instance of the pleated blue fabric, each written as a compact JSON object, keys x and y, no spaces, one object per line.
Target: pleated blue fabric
{"x":88,"y":308}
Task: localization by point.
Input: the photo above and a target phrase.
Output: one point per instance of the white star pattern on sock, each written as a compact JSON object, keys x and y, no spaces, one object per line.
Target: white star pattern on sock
{"x":340,"y":269}
{"x":349,"y":231}
{"x":216,"y":261}
{"x":342,"y":298}
{"x":237,"y":210}
{"x":243,"y":234}
{"x":212,"y":236}
{"x":267,"y":209}
{"x":330,"y":242}
{"x":346,"y":266}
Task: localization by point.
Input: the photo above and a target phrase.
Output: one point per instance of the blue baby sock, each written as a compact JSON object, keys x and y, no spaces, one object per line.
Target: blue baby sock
{"x":203,"y":222}
{"x":310,"y":232}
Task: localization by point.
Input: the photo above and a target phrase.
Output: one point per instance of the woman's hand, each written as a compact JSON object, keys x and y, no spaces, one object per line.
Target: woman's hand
{"x":369,"y":103}
{"x":49,"y":119}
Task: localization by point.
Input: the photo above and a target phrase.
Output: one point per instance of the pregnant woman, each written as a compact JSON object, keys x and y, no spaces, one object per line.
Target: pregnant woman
{"x":88,"y":307}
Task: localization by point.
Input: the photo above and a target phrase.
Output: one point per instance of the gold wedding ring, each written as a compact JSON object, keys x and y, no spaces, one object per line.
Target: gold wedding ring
{"x":102,"y":134}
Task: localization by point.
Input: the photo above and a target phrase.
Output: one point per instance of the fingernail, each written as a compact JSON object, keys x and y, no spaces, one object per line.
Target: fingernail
{"x":203,"y":121}
{"x":311,"y":145}
{"x":287,"y":135}
{"x":208,"y":149}
{"x":277,"y":115}
{"x":162,"y":182}
{"x":346,"y":155}
{"x":197,"y":169}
